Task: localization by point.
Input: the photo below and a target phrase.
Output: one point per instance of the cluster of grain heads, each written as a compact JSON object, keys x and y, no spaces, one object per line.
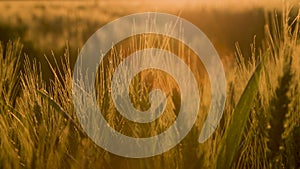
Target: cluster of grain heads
{"x":139,"y":89}
{"x":38,"y":124}
{"x":10,"y":118}
{"x":72,"y":147}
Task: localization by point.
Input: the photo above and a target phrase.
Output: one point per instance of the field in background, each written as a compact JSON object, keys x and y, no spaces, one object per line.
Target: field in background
{"x":53,"y":24}
{"x":39,"y":128}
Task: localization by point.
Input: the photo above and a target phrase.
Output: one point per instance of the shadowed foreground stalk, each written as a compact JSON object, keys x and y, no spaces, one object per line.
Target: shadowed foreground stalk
{"x":279,"y":110}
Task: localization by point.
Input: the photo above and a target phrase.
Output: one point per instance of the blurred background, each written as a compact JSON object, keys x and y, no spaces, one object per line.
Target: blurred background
{"x":48,"y":26}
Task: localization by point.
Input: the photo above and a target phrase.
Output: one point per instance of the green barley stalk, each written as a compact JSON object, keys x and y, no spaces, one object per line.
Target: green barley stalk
{"x":229,"y":144}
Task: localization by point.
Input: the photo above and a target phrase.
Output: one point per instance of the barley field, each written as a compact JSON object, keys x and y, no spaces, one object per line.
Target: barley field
{"x":259,"y":46}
